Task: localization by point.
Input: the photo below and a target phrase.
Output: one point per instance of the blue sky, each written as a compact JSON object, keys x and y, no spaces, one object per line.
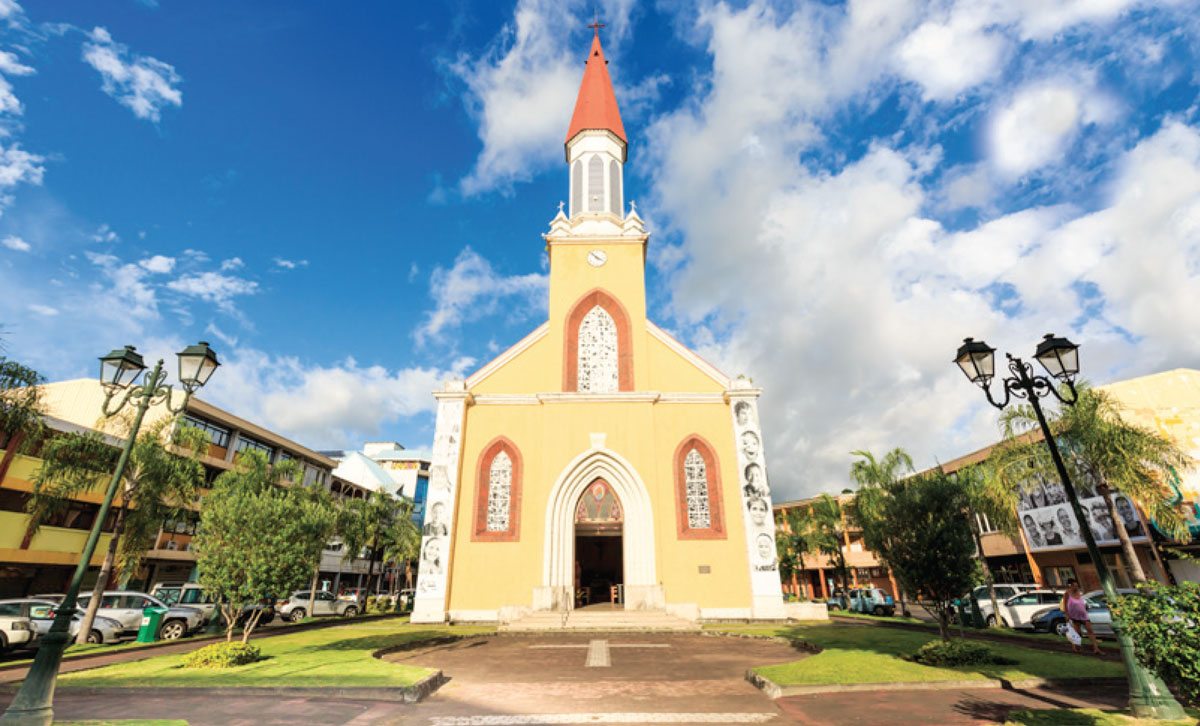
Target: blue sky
{"x":347,"y":201}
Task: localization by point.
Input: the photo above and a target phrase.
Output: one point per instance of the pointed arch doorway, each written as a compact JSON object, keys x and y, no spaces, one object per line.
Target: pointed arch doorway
{"x":599,"y":547}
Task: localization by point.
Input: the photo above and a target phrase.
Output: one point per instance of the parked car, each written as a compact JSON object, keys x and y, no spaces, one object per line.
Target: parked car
{"x":354,"y":593}
{"x":126,"y":606}
{"x":1016,"y":611}
{"x":193,"y":595}
{"x":16,"y":632}
{"x":41,"y":612}
{"x":295,"y":608}
{"x":1003,"y":592}
{"x":1054,"y":620}
{"x":871,"y":600}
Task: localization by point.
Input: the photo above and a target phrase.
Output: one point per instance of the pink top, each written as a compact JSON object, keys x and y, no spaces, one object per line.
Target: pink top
{"x":1076,"y":608}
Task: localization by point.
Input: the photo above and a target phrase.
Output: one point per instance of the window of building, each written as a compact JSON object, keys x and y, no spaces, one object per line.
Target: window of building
{"x":595,"y":189}
{"x":497,"y":494}
{"x":1058,"y":576}
{"x":985,"y":524}
{"x":614,"y":188}
{"x":698,"y":492}
{"x":598,"y":372}
{"x":245,"y":442}
{"x":499,"y":485}
{"x":577,"y":188}
{"x":218,"y":435}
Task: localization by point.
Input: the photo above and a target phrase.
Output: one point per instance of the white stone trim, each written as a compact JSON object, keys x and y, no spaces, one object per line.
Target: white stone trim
{"x":691,"y":397}
{"x":499,"y":361}
{"x":507,"y":399}
{"x":687,"y":354}
{"x":558,"y":574}
{"x":617,"y":397}
{"x":474,"y":616}
{"x":725,"y":613}
{"x":594,"y":239}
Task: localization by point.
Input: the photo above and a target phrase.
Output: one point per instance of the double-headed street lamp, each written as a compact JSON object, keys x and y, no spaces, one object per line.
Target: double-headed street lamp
{"x":1148,"y":695}
{"x":34,"y":704}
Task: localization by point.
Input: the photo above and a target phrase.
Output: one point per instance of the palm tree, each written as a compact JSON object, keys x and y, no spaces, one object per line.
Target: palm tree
{"x":1102,"y":449}
{"x":989,"y":497}
{"x":401,"y":541}
{"x":20,"y":410}
{"x":875,"y":479}
{"x":796,"y":536}
{"x":829,"y":526}
{"x":161,"y":483}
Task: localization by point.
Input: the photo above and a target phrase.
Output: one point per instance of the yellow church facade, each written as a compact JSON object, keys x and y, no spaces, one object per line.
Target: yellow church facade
{"x":597,"y":462}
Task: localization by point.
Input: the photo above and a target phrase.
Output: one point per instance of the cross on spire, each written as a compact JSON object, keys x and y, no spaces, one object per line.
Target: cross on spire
{"x":596,"y":24}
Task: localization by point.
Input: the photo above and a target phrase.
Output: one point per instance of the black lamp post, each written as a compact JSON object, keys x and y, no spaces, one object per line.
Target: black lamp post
{"x":1148,"y":695}
{"x":34,"y":703}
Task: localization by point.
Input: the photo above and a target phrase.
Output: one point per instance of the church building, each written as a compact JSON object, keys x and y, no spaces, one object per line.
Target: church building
{"x":597,"y":463}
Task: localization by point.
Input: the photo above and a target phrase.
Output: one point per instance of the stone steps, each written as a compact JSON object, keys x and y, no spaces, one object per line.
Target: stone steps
{"x":583,"y":620}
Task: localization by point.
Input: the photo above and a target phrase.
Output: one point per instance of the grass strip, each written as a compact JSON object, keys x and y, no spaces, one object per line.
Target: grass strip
{"x":1013,"y":632}
{"x":338,"y":656}
{"x":123,"y":722}
{"x":876,"y":655}
{"x":1088,"y":717}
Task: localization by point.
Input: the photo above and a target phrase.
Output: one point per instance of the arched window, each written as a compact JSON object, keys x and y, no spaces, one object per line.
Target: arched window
{"x":577,"y":188}
{"x":498,"y":493}
{"x":598,"y":353}
{"x":698,"y":491}
{"x":614,"y":188}
{"x":595,"y":188}
{"x":598,"y":357}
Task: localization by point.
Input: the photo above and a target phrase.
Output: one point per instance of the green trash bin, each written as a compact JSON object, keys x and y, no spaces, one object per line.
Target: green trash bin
{"x":151,"y":620}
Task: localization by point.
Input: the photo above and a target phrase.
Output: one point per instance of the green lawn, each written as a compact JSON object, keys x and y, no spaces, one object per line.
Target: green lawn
{"x":338,"y":656}
{"x":873,"y":655}
{"x":1087,"y":717}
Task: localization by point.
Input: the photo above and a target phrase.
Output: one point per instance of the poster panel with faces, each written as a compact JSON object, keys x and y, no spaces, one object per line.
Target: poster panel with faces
{"x":1050,"y":524}
{"x":755,"y":497}
{"x":434,"y":562}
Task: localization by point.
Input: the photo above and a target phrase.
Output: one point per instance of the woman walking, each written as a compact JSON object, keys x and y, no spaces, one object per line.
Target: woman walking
{"x":1075,"y":607}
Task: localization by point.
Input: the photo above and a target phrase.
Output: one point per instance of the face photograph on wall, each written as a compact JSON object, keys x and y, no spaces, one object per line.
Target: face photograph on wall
{"x":1032,"y":532}
{"x":756,"y":482}
{"x":742,"y":413}
{"x":1055,"y":494}
{"x":431,"y":557}
{"x":1129,"y":517}
{"x":1102,"y":523}
{"x":1049,"y":526}
{"x":766,"y":549}
{"x":1066,"y":527}
{"x":750,"y":445}
{"x":758,"y":511}
{"x":436,"y":525}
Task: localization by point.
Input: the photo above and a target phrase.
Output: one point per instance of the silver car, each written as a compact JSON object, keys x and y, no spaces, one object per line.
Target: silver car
{"x":41,"y":612}
{"x":325,"y":604}
{"x":125,"y":606}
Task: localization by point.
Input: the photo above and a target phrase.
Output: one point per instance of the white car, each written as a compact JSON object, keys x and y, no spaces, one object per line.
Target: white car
{"x":16,"y":632}
{"x":126,"y":606}
{"x":1003,"y":592}
{"x":1018,"y":610}
{"x":41,"y":612}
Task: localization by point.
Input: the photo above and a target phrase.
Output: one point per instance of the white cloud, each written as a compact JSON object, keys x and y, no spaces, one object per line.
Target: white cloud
{"x":321,"y":406}
{"x":129,"y":293}
{"x":214,"y":287}
{"x":10,"y":64}
{"x":1034,"y":128}
{"x":471,"y":289}
{"x":143,"y":84}
{"x":45,"y":310}
{"x":522,"y":89}
{"x":289,"y":264}
{"x":159,"y":264}
{"x":105,"y":234}
{"x":233,"y":263}
{"x":15,"y":243}
{"x":951,"y":57}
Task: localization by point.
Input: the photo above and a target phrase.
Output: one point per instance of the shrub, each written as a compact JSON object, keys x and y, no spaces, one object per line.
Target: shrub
{"x":1163,"y":624}
{"x":222,"y":655}
{"x":957,"y":653}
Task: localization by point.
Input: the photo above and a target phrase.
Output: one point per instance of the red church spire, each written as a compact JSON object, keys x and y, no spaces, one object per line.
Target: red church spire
{"x":596,"y":107}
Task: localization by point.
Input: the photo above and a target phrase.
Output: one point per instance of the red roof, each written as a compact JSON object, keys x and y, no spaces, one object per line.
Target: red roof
{"x":596,"y":107}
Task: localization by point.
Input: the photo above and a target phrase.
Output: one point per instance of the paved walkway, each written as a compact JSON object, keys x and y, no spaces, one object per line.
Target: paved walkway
{"x":598,"y":679}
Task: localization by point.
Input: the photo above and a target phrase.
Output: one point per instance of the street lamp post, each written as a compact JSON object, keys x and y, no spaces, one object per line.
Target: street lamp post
{"x":34,"y":703}
{"x":1148,"y":695}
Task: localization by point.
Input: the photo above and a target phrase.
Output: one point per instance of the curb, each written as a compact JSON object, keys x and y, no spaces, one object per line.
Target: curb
{"x":151,"y":647}
{"x":773,"y":690}
{"x":415,"y":693}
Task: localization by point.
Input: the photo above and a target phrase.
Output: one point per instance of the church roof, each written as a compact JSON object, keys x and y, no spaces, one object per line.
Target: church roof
{"x":596,"y":106}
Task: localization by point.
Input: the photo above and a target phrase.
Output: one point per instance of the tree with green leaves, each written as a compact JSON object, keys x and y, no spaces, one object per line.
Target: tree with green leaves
{"x":829,"y":527}
{"x":20,"y":410}
{"x":161,"y":482}
{"x":259,"y":537}
{"x":930,"y":549}
{"x":988,"y":497}
{"x":401,"y":541}
{"x":352,"y":528}
{"x":874,"y":478}
{"x":1101,"y":449}
{"x":795,"y":536}
{"x":379,"y":512}
{"x":324,"y":513}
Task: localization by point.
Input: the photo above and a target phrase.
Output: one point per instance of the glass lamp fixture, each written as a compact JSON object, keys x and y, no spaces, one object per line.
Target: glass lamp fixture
{"x":121,"y":367}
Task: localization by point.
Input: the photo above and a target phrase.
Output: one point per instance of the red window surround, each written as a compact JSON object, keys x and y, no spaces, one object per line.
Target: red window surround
{"x":712,"y":471}
{"x":615,"y":309}
{"x":480,"y":531}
